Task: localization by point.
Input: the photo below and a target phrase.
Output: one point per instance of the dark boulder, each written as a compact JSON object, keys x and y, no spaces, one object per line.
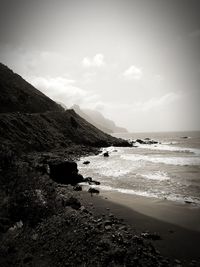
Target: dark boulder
{"x":152,"y":236}
{"x":73,"y":202}
{"x":77,"y":188}
{"x":140,"y":141}
{"x":93,"y":191}
{"x":4,"y":224}
{"x":94,"y":182}
{"x":90,"y":181}
{"x":87,"y":179}
{"x":86,"y":162}
{"x":147,"y":141}
{"x":65,"y":172}
{"x":106,"y":154}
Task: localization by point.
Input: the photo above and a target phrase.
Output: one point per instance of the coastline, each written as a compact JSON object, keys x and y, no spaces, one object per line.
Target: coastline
{"x":180,"y":236}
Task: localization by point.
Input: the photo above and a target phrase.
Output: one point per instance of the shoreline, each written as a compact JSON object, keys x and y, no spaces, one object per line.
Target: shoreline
{"x":164,"y":210}
{"x":178,"y":239}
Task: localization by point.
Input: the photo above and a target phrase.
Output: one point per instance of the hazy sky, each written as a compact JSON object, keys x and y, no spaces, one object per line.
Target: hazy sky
{"x":136,"y":61}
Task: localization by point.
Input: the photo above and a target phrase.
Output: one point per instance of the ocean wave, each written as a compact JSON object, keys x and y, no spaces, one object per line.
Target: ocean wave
{"x":171,"y":197}
{"x":182,"y":161}
{"x":168,"y":147}
{"x":159,"y":176}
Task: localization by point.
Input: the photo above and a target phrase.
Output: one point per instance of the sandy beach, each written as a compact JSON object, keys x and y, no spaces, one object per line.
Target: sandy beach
{"x":177,"y":224}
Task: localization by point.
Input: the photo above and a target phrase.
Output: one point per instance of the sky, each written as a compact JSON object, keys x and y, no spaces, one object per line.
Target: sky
{"x":135,"y":61}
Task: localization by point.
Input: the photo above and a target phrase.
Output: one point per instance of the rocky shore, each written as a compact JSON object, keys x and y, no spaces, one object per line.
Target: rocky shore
{"x":44,"y":223}
{"x":45,"y":218}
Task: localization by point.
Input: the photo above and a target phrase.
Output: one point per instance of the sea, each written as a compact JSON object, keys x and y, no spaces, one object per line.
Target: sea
{"x":168,"y":170}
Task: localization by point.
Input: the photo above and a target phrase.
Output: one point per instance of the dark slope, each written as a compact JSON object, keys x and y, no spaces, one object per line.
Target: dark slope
{"x":30,"y":121}
{"x":45,"y":131}
{"x":17,"y":95}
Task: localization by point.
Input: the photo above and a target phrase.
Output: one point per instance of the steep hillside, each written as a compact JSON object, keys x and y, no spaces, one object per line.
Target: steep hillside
{"x":30,"y":121}
{"x":17,"y":95}
{"x":50,"y":130}
{"x":98,"y":120}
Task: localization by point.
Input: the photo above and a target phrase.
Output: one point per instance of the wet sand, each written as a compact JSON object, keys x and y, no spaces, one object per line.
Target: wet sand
{"x":177,"y":224}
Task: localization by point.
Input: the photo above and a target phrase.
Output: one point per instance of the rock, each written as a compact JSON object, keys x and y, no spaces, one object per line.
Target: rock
{"x":94,"y":182}
{"x":176,"y":261}
{"x":123,"y":227}
{"x":188,"y":202}
{"x":107,"y":222}
{"x":17,"y":225}
{"x":86,"y":162}
{"x":87,"y":179}
{"x":83,"y":209}
{"x":106,"y":154}
{"x":65,"y":172}
{"x":77,"y":188}
{"x":108,"y":227}
{"x":72,"y":202}
{"x":34,"y":237}
{"x":4,"y":224}
{"x":27,"y":259}
{"x":90,"y":181}
{"x":93,"y":191}
{"x":146,"y":141}
{"x":140,"y":141}
{"x":152,"y":236}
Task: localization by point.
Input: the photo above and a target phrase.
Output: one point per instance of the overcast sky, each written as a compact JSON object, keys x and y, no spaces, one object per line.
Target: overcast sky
{"x":136,"y":61}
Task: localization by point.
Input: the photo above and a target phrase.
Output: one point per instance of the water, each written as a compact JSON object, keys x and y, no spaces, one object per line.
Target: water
{"x":168,"y":170}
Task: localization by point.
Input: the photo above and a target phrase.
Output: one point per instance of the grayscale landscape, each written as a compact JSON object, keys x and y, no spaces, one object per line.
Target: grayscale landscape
{"x":99,"y":133}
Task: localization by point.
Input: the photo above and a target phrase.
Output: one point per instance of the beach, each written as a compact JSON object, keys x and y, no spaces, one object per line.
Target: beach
{"x":154,"y":187}
{"x":177,"y":225}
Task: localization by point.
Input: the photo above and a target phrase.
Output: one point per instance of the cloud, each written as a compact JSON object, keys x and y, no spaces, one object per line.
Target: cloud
{"x":88,"y":77}
{"x":63,"y":90}
{"x":133,"y":73}
{"x":158,"y":78}
{"x":96,"y":61}
{"x":157,"y":102}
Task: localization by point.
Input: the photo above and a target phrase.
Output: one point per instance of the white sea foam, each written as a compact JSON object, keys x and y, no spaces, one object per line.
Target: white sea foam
{"x":182,"y":161}
{"x":126,"y":191}
{"x":170,"y":197}
{"x":159,"y":176}
{"x":111,"y":172}
{"x":168,"y":147}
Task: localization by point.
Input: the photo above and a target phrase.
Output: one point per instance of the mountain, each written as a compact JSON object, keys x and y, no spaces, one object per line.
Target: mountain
{"x":30,"y":121}
{"x":17,"y":95}
{"x":98,"y":120}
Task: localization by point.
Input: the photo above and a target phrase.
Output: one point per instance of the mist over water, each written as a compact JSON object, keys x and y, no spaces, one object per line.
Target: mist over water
{"x":168,"y":170}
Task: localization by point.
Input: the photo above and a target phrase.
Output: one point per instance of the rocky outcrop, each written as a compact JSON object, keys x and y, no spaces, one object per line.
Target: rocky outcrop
{"x":106,"y":154}
{"x":30,"y":121}
{"x":17,"y":95}
{"x":65,"y":172}
{"x":146,"y":141}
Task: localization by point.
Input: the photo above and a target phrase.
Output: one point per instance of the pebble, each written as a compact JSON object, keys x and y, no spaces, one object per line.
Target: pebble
{"x":107,"y":222}
{"x":123,"y":228}
{"x":177,"y":261}
{"x":35,"y":237}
